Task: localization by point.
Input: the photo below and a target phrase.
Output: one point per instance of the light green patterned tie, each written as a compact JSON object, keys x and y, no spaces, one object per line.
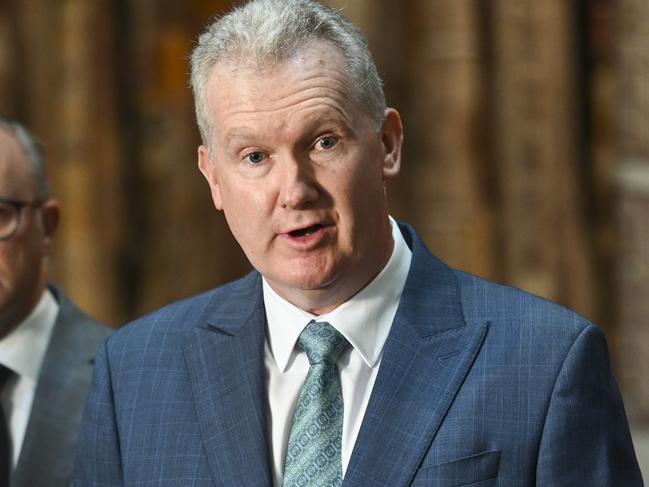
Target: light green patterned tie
{"x":313,"y":458}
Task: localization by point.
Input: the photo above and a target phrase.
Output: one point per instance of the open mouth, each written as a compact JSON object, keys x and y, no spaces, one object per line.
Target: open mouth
{"x":302,"y":232}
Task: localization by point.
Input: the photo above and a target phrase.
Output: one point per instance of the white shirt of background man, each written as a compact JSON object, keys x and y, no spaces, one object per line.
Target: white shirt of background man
{"x":22,"y":351}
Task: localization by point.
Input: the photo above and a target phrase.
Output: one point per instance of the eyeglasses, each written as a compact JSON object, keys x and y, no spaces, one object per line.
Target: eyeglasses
{"x":10,"y":211}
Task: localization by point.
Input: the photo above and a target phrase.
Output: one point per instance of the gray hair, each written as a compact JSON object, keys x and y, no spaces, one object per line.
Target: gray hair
{"x":266,"y":31}
{"x":34,"y":154}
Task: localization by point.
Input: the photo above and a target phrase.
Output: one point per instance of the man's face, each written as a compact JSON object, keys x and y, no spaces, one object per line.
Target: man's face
{"x":299,"y":169}
{"x":22,"y":267}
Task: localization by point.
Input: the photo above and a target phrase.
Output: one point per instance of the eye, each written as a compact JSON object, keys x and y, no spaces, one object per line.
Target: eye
{"x":327,"y":142}
{"x":255,"y":158}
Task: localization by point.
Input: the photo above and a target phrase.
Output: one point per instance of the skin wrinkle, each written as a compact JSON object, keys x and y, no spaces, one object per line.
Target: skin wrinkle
{"x":242,"y":72}
{"x":305,"y":98}
{"x":306,"y":85}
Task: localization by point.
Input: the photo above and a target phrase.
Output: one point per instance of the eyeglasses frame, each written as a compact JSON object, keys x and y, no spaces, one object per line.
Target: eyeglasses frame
{"x":18,"y":206}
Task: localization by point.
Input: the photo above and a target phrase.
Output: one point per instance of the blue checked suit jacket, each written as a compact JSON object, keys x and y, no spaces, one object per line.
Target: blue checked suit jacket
{"x":479,"y":385}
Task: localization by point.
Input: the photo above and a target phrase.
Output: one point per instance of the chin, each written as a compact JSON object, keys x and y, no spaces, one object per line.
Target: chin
{"x":313,"y":272}
{"x":303,"y":280}
{"x":308,"y":283}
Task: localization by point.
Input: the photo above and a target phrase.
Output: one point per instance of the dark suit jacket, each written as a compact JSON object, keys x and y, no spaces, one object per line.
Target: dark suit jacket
{"x":47,"y":454}
{"x":479,"y":384}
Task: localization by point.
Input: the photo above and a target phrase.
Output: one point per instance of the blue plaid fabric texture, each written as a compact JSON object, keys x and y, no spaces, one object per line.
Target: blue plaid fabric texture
{"x":313,"y":458}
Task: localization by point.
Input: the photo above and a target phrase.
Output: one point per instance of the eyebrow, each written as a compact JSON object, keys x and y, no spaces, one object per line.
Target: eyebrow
{"x":311,"y":124}
{"x":237,"y":136}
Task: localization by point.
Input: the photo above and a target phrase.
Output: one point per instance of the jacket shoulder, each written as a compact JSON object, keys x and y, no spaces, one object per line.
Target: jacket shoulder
{"x":78,"y":325}
{"x":502,"y":305}
{"x":176,"y":317}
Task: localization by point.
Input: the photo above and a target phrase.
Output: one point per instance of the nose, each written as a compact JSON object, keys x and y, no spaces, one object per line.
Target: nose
{"x":298,"y":185}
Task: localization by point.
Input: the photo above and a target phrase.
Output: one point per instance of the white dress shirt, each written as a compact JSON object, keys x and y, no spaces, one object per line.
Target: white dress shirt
{"x":22,"y":351}
{"x":365,"y":321}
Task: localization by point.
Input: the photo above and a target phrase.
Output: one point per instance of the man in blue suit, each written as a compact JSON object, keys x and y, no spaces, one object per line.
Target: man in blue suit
{"x":350,"y":356}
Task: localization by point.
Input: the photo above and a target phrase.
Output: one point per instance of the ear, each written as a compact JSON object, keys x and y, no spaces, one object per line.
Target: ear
{"x":50,"y":216}
{"x":392,"y":139}
{"x":208,"y":168}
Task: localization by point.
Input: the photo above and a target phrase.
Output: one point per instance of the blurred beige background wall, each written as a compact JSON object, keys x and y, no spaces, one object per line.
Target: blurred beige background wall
{"x":526,"y":156}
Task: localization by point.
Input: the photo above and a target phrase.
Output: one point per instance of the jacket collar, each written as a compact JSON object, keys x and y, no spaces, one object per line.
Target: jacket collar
{"x":225,"y":362}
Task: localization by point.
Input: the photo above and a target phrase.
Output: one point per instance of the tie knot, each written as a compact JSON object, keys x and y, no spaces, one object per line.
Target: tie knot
{"x":321,"y":342}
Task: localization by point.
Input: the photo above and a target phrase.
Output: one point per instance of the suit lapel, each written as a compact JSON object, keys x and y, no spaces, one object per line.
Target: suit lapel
{"x":426,"y":357}
{"x":225,"y":360}
{"x":50,"y":438}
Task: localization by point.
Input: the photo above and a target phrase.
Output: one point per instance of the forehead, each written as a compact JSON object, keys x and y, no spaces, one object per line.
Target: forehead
{"x":14,"y":171}
{"x":315,"y":75}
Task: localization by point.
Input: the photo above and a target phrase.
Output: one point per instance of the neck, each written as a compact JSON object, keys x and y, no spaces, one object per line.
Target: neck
{"x":19,"y":309}
{"x":328,"y":297}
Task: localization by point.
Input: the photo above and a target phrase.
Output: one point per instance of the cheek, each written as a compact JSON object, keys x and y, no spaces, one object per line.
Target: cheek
{"x":21,"y":260}
{"x":362,"y":191}
{"x":11,"y":268}
{"x":248,"y":212}
{"x":362,"y":203}
{"x":244,"y":205}
{"x":8,"y":258}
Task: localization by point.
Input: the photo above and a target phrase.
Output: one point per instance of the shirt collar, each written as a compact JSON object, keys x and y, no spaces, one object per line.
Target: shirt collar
{"x":365,"y":319}
{"x":23,"y":349}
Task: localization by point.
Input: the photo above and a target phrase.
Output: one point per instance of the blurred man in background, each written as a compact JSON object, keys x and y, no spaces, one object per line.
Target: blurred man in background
{"x":47,"y":346}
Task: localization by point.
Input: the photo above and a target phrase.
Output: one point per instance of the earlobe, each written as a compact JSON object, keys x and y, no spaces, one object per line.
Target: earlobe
{"x":208,"y":169}
{"x":392,"y":139}
{"x":50,"y":216}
